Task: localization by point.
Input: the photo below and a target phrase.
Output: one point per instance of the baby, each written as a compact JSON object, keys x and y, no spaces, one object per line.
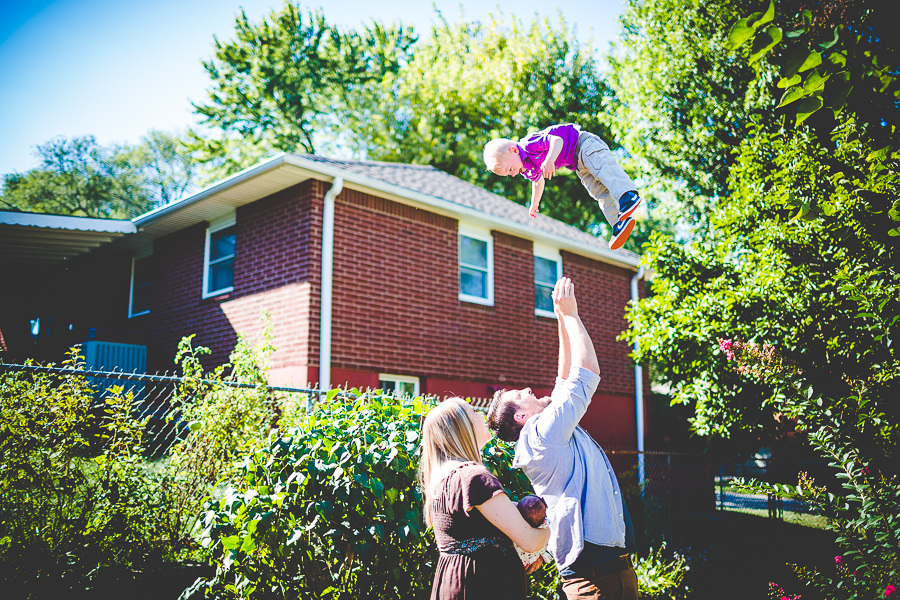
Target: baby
{"x":538,"y":156}
{"x":534,"y":510}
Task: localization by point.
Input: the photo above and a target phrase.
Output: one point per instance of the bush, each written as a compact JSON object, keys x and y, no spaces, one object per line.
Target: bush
{"x":329,"y":509}
{"x":75,"y":496}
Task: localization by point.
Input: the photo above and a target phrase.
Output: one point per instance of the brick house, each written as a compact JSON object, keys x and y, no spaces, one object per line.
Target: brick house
{"x":375,"y":275}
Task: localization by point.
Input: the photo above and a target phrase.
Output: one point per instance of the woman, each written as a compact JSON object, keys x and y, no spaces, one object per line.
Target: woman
{"x":474,"y":520}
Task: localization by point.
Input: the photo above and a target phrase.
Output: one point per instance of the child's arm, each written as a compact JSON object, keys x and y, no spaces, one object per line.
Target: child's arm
{"x":537,"y":190}
{"x":549,"y":165}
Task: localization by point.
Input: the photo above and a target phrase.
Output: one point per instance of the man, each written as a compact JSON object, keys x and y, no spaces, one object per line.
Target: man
{"x":591,"y":537}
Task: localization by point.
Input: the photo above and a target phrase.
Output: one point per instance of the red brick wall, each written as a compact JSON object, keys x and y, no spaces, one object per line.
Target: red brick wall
{"x":396,"y":310}
{"x":277,"y":249}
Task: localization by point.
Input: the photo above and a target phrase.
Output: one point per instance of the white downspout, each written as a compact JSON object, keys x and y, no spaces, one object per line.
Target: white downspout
{"x":638,"y":388}
{"x":327,"y":280}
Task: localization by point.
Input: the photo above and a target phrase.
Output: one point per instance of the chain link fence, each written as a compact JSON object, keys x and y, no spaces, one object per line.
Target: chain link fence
{"x":764,"y":469}
{"x":664,"y":490}
{"x":157,"y":399}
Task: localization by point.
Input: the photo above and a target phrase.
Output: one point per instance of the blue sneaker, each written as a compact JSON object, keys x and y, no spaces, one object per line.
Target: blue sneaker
{"x":628,"y":203}
{"x":621,"y":231}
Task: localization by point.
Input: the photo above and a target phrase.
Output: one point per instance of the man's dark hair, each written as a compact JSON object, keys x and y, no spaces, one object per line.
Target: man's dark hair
{"x":501,"y":417}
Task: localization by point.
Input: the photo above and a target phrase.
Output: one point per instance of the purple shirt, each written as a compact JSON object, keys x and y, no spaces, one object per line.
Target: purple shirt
{"x":533,"y":149}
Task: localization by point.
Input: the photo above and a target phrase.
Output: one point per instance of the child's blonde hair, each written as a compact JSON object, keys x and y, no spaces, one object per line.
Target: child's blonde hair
{"x":447,"y":434}
{"x":495,"y":151}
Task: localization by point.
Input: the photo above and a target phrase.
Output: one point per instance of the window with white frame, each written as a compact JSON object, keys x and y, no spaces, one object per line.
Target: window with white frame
{"x":401,"y":386}
{"x":476,"y":265}
{"x":218,"y":267}
{"x":141,"y":282}
{"x":547,"y":270}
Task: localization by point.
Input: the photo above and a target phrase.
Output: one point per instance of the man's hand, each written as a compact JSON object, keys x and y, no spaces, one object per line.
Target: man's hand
{"x":548,"y":168}
{"x":564,"y":298}
{"x":534,"y":566}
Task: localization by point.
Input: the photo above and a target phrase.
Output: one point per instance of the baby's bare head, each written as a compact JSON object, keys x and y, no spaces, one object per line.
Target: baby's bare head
{"x":533,"y":509}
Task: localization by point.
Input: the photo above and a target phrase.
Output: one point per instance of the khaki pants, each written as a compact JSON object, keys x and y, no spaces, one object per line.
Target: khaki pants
{"x":621,"y":585}
{"x":601,"y":174}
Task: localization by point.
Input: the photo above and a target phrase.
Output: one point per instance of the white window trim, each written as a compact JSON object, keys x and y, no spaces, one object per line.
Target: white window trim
{"x":550,"y":253}
{"x":215,"y":225}
{"x":400,"y":379}
{"x":483,"y":234}
{"x":139,"y":254}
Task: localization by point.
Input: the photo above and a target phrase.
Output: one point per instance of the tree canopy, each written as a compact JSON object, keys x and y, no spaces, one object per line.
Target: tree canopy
{"x":80,"y":177}
{"x":799,"y":251}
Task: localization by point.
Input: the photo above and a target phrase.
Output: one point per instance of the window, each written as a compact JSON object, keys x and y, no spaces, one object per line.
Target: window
{"x":476,"y":265}
{"x":141,"y":280}
{"x":399,"y":385}
{"x":218,"y":271}
{"x":547,"y":269}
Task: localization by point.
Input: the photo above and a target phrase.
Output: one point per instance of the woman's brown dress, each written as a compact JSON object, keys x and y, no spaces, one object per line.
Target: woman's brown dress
{"x":477,"y":561}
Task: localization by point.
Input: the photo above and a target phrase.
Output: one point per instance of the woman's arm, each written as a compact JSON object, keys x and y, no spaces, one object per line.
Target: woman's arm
{"x":500,"y":511}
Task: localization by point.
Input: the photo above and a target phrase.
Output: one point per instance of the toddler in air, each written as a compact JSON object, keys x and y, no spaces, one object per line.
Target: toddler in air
{"x":537,"y":157}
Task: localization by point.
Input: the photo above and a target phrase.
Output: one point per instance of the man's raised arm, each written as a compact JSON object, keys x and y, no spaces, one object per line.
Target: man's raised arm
{"x":576,"y":348}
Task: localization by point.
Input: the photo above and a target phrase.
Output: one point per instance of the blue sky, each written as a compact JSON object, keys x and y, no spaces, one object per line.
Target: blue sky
{"x":116,"y":69}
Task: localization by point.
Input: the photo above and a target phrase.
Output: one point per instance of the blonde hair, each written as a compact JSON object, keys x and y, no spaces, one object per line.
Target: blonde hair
{"x":447,"y":434}
{"x":495,"y":151}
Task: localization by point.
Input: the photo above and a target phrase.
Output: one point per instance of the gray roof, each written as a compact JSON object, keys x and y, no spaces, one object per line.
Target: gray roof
{"x":429,"y":180}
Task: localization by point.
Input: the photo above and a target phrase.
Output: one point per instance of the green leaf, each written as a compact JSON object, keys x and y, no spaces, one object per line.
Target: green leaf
{"x":879,"y":154}
{"x":791,"y":95}
{"x":814,"y":81}
{"x":767,"y":17}
{"x":800,"y":61}
{"x":764,"y":42}
{"x":829,"y":44}
{"x":807,"y":107}
{"x":740,"y":33}
{"x":788,"y":81}
{"x":838,"y":90}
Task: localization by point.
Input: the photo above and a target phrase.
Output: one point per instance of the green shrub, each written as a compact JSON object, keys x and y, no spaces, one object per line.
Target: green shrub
{"x":75,"y":494}
{"x":328,"y":509}
{"x":659,"y":578}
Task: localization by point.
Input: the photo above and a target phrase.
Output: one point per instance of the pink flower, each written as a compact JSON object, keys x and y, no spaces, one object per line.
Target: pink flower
{"x":865,"y":470}
{"x":889,"y":590}
{"x":837,"y":560}
{"x":725,"y":346}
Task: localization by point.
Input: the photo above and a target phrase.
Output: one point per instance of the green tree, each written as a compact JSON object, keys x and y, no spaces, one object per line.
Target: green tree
{"x":287,"y":84}
{"x":681,"y":98}
{"x":800,"y":254}
{"x":81,"y":178}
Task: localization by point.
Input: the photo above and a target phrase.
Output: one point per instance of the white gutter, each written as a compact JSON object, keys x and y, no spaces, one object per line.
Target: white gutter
{"x":638,"y":388}
{"x":66,"y":222}
{"x":327,"y":280}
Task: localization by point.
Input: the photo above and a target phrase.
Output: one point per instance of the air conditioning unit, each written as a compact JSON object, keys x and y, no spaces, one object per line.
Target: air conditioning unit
{"x":111,"y":356}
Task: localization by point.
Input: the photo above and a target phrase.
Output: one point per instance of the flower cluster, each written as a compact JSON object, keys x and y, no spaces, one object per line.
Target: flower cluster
{"x":776,"y":592}
{"x":889,"y":590}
